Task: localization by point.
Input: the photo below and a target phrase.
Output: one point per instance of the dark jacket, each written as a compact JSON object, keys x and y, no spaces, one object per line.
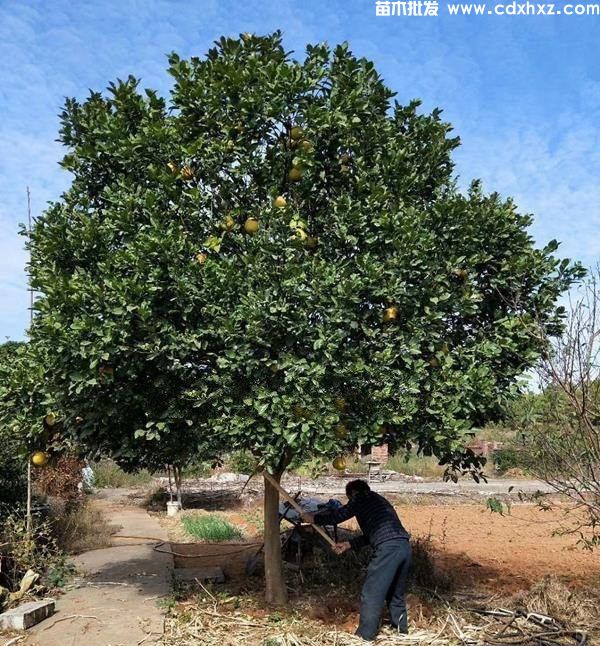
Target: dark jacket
{"x":376,"y":518}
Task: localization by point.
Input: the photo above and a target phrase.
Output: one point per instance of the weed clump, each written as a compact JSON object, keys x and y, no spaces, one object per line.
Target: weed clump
{"x":210,"y":528}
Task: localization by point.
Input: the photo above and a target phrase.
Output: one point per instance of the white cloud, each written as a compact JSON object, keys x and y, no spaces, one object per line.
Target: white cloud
{"x":551,"y":171}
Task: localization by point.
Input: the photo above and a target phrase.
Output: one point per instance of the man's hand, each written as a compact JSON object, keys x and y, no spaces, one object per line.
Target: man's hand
{"x":340,"y":548}
{"x":307,"y":518}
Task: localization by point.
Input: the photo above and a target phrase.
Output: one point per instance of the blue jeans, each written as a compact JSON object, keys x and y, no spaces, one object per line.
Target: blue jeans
{"x":387,"y":575}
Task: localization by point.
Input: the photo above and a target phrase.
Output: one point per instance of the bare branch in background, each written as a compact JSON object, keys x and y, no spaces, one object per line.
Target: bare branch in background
{"x":564,"y":447}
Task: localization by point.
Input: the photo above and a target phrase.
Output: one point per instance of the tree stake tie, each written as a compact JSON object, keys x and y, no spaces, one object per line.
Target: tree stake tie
{"x":286,"y":496}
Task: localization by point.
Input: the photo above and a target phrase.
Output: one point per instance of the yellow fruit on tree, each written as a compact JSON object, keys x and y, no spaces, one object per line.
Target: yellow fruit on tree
{"x":341,"y":432}
{"x":306,"y":146}
{"x":296,"y":133}
{"x":201,"y":257}
{"x":300,"y":235}
{"x":50,"y":419}
{"x":390,"y":314}
{"x":295,"y":174}
{"x":187,"y":173}
{"x":39,"y":459}
{"x":251,"y":225}
{"x":339,"y":463}
{"x":172,"y":167}
{"x":229,"y":223}
{"x":280,"y":202}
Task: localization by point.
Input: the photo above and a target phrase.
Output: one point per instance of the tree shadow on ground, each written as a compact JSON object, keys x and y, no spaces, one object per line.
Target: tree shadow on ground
{"x":125,"y":566}
{"x":222,"y":499}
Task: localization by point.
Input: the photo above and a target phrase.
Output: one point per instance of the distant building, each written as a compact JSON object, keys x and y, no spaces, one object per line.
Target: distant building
{"x":484,"y":448}
{"x":374,"y":453}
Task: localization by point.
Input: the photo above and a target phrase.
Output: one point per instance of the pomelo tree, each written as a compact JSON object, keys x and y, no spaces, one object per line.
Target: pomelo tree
{"x":278,"y":258}
{"x":15,"y":423}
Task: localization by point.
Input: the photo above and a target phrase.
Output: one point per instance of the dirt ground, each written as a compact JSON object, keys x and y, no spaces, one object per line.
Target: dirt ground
{"x":488,"y":556}
{"x":495,"y":553}
{"x":507,"y":552}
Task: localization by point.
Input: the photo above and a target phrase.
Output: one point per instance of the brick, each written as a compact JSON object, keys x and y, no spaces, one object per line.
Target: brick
{"x":26,"y":615}
{"x":380,"y":453}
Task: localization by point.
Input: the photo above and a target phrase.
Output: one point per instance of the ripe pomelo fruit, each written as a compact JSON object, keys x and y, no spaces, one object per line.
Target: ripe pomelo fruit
{"x":339,"y":463}
{"x":39,"y":459}
{"x":251,"y":225}
{"x":390,"y":314}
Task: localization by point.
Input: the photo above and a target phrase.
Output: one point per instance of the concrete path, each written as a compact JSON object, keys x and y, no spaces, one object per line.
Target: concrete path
{"x":116,"y":600}
{"x":465,"y":486}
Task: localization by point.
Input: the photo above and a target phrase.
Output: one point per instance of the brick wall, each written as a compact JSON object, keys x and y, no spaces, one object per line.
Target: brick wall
{"x":484,"y":448}
{"x":380,"y":453}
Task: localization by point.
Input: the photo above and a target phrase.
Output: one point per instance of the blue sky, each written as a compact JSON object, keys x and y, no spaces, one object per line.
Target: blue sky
{"x":523,"y":93}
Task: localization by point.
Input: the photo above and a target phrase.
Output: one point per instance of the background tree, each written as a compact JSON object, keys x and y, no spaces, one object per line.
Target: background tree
{"x":29,"y":422}
{"x":13,"y":457}
{"x":561,"y":444}
{"x":280,"y":260}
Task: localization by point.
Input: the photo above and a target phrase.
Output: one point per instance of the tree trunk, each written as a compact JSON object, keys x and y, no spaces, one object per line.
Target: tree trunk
{"x":170,"y":483}
{"x":276,"y":591}
{"x":177,"y":476}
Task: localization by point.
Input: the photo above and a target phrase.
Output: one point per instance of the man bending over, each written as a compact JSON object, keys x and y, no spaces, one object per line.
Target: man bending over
{"x":388,"y":568}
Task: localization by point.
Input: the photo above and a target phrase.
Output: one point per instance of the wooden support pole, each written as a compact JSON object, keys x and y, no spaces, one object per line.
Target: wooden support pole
{"x":286,"y":496}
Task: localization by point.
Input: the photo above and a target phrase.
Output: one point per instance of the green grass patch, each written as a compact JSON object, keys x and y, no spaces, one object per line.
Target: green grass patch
{"x":109,"y":474}
{"x":210,"y":528}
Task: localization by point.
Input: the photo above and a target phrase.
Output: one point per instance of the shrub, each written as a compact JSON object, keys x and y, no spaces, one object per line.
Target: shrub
{"x":311,"y":468}
{"x":509,"y":457}
{"x":79,"y":528}
{"x":210,"y":528}
{"x":13,"y":469}
{"x":108,"y":473}
{"x":425,"y":571}
{"x":198,"y":470}
{"x":60,"y":478}
{"x":22,"y":551}
{"x":242,"y":462}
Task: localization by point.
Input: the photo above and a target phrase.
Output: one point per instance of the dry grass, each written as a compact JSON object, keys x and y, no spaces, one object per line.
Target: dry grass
{"x":216,"y":621}
{"x":80,"y":528}
{"x":415,"y":465}
{"x":109,"y":474}
{"x":323,"y":609}
{"x":572,"y":608}
{"x":426,"y":572}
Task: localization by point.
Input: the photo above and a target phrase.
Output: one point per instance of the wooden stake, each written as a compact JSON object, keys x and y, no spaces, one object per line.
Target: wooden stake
{"x":286,"y":496}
